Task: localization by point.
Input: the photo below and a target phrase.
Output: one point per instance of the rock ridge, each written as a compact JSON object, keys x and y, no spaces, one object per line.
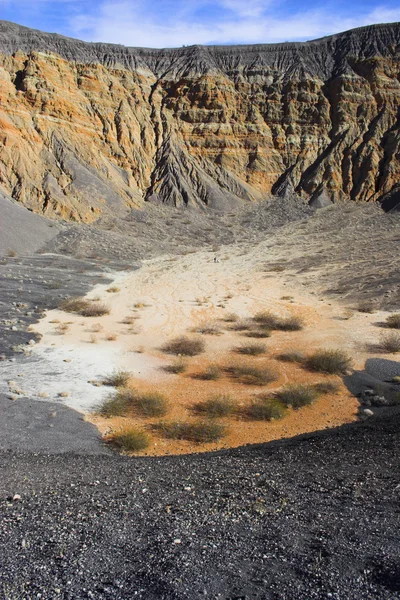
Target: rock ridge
{"x":90,"y":129}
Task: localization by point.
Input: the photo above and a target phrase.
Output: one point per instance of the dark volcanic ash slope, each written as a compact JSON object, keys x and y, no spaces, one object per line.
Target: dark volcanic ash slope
{"x":310,"y":518}
{"x":90,"y":129}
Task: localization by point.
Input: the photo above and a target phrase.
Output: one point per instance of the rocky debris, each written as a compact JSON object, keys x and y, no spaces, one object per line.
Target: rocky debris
{"x":313,"y":517}
{"x":94,"y":130}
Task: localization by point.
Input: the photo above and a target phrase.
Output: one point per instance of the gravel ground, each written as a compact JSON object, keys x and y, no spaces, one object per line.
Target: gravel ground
{"x":312,"y":517}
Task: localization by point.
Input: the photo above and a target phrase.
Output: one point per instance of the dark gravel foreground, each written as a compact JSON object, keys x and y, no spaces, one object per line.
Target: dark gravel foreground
{"x":312,"y":517}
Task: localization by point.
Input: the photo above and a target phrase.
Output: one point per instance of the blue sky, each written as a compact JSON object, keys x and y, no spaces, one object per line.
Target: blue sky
{"x":173,"y":23}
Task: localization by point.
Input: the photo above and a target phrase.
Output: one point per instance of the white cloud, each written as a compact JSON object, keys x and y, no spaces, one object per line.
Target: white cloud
{"x":132,"y":23}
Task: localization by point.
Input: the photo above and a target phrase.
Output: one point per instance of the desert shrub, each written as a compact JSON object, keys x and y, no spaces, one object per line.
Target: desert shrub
{"x":62,"y":328}
{"x":266,"y":408}
{"x":393,"y":321}
{"x":251,"y":349}
{"x":366,"y":306}
{"x":178,"y":366}
{"x":294,"y":356}
{"x":292,"y":323}
{"x":297,"y":395}
{"x":12,"y":253}
{"x":117,"y":379}
{"x":116,"y":405}
{"x":129,"y":320}
{"x":130,"y":440}
{"x":258,"y":333}
{"x":95,"y":309}
{"x":150,"y":404}
{"x":74,"y":305}
{"x":242,"y":325}
{"x":217,"y":406}
{"x":96,"y":328}
{"x":199,"y":432}
{"x":184,"y":346}
{"x":208,"y":329}
{"x":111,"y":337}
{"x":113,"y":289}
{"x":250,"y":375}
{"x":267,"y":319}
{"x":211,"y":373}
{"x":231,"y":318}
{"x":329,"y":361}
{"x":326,"y":387}
{"x":390,"y":342}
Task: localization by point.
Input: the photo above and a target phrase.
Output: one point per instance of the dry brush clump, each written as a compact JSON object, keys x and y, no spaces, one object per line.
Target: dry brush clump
{"x":210,"y":373}
{"x":184,"y":346}
{"x":215,"y":407}
{"x":390,"y":342}
{"x":366,"y":306}
{"x":292,"y":356}
{"x":292,"y":323}
{"x":208,"y":328}
{"x":250,"y":375}
{"x":393,"y":321}
{"x":297,"y":395}
{"x":333,"y":362}
{"x":251,"y":349}
{"x":200,"y":432}
{"x":327,"y":387}
{"x":267,"y":320}
{"x":85,"y":308}
{"x":265,"y":408}
{"x":130,"y":440}
{"x":117,"y":379}
{"x":178,"y":366}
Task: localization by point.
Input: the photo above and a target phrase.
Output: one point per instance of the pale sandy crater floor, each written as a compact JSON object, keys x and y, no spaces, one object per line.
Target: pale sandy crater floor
{"x":169,"y":296}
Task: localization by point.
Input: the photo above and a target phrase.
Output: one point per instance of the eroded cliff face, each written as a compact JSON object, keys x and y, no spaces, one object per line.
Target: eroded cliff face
{"x":93,"y":129}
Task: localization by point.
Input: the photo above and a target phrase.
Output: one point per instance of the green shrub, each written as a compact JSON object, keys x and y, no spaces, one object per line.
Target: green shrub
{"x":217,"y":406}
{"x":393,"y":321}
{"x":184,"y":346}
{"x":117,"y":379}
{"x":116,"y":405}
{"x":251,"y":349}
{"x":131,"y":440}
{"x":265,"y":409}
{"x":150,"y":404}
{"x":294,"y":356}
{"x":199,"y":432}
{"x":390,"y":342}
{"x":126,"y":401}
{"x":334,"y":362}
{"x":297,"y":395}
{"x":250,"y":375}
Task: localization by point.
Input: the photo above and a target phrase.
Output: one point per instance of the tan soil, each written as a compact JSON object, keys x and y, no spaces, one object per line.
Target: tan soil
{"x":172,"y":295}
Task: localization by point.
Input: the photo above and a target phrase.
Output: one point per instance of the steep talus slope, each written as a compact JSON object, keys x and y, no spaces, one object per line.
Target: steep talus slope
{"x":90,"y":129}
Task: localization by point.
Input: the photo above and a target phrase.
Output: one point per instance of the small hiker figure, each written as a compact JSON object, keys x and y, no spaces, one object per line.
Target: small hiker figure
{"x":216,"y":259}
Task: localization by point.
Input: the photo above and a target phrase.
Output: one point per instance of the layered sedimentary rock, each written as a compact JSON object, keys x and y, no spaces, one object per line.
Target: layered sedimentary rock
{"x":94,"y":129}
